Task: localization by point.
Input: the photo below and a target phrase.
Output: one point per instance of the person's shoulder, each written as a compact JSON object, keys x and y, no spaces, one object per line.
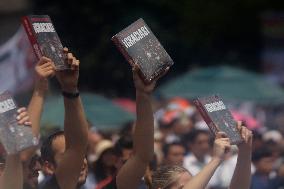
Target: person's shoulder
{"x":51,"y":183}
{"x":190,"y":158}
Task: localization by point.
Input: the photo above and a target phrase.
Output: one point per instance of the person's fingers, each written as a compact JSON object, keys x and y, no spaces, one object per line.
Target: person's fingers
{"x":22,"y":109}
{"x":28,"y":123}
{"x":224,"y":139}
{"x":77,"y":64}
{"x":135,"y":70}
{"x":73,"y":64}
{"x":227,"y":148}
{"x":43,"y":60}
{"x":23,"y":120}
{"x":221,"y":135}
{"x":65,"y":50}
{"x":50,"y":73}
{"x":243,"y":132}
{"x":70,"y":58}
{"x":163,"y":73}
{"x":46,"y":64}
{"x":248,"y":135}
{"x":21,"y":115}
{"x":239,"y":125}
{"x":48,"y":68}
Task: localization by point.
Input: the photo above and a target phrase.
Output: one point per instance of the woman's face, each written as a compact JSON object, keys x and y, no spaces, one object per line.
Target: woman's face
{"x":183,"y":178}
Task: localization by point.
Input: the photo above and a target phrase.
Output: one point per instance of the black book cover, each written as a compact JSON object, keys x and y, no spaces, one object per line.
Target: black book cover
{"x":13,"y":137}
{"x":139,"y":45}
{"x":218,"y":117}
{"x":44,"y":39}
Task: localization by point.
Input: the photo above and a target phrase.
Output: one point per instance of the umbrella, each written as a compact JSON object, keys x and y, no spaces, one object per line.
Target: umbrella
{"x":231,"y":83}
{"x":101,"y":112}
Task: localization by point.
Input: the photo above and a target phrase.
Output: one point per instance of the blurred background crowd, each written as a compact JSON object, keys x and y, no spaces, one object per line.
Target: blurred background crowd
{"x":231,"y":48}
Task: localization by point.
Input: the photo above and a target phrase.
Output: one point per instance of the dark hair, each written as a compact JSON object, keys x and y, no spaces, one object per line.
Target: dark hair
{"x":261,"y":153}
{"x":126,"y":129}
{"x":166,"y":147}
{"x":100,"y":168}
{"x":191,"y":136}
{"x":124,"y":142}
{"x":47,"y":153}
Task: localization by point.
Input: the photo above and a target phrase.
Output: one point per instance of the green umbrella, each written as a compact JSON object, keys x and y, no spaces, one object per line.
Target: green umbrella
{"x":231,"y":83}
{"x":101,"y":112}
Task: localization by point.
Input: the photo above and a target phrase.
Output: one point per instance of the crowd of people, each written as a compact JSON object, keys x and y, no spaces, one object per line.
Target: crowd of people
{"x":166,"y":149}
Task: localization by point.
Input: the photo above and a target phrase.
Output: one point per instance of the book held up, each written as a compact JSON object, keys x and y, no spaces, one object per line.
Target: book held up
{"x":139,"y":45}
{"x":44,"y":39}
{"x":218,"y":117}
{"x":13,"y":137}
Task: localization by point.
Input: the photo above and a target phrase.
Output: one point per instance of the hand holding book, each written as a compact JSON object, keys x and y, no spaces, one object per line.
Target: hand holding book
{"x":221,"y":146}
{"x":140,"y":85}
{"x":68,"y":79}
{"x":23,"y":117}
{"x":246,"y":134}
{"x":44,"y":69}
{"x":139,"y":45}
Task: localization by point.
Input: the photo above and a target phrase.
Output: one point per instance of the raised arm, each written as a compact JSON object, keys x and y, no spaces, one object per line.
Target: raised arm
{"x":242,"y":174}
{"x":12,"y":177}
{"x":221,"y":146}
{"x":43,"y":70}
{"x":131,"y":173}
{"x":75,"y":127}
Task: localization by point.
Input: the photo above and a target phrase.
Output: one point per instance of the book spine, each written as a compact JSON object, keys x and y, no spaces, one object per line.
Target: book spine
{"x":32,"y":36}
{"x":205,"y":116}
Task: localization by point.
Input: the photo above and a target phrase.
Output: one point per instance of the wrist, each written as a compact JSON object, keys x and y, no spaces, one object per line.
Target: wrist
{"x":70,"y":95}
{"x":143,"y":94}
{"x":70,"y":89}
{"x":216,"y":159}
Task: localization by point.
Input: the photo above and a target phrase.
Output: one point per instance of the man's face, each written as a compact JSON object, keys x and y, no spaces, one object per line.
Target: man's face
{"x":175,"y":155}
{"x":264,"y":165}
{"x":58,"y":146}
{"x":201,"y":146}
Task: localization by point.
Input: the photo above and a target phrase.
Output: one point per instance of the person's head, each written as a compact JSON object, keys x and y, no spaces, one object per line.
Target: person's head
{"x":105,"y":160}
{"x":263,"y":161}
{"x":123,"y":149}
{"x":31,"y":172}
{"x":52,"y":151}
{"x":199,"y":142}
{"x":173,"y":153}
{"x":170,"y":177}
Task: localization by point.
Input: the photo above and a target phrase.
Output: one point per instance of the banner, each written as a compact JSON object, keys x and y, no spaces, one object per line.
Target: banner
{"x":16,"y":64}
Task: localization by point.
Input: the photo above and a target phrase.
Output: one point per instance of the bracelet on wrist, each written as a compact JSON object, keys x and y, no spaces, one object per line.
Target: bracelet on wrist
{"x":71,"y":95}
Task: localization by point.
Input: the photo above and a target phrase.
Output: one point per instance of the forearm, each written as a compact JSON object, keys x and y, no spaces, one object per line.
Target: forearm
{"x":201,"y":180}
{"x":242,"y":174}
{"x":13,"y":173}
{"x":75,"y":125}
{"x":35,"y":109}
{"x":144,"y":129}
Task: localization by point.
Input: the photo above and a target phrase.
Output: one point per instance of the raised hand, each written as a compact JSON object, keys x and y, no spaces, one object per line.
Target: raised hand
{"x":23,"y":117}
{"x":68,"y":79}
{"x":140,"y":85}
{"x":221,"y":145}
{"x":247,"y":136}
{"x":44,"y":69}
